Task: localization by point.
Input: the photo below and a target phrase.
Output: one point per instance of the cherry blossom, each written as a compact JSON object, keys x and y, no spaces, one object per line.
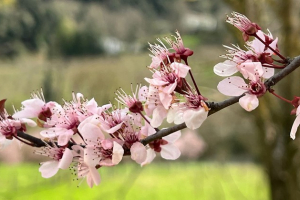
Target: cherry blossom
{"x":193,"y":112}
{"x":236,"y":86}
{"x":62,"y":158}
{"x":83,"y":170}
{"x":36,"y":108}
{"x":241,"y":22}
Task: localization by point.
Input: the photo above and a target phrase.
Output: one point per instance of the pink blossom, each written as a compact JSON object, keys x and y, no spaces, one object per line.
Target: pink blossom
{"x":167,"y":80}
{"x":243,"y":61}
{"x":36,"y":108}
{"x":164,"y":146}
{"x":236,"y":86}
{"x":261,"y":49}
{"x":181,"y":52}
{"x":62,"y":158}
{"x":133,"y":102}
{"x":243,"y":24}
{"x":65,"y":127}
{"x":84,"y":170}
{"x":193,"y":112}
{"x":154,"y":107}
{"x":160,"y":54}
{"x":138,"y":152}
{"x":99,"y":151}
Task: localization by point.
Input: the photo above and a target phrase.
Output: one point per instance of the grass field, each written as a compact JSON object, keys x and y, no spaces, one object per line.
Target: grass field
{"x":159,"y":181}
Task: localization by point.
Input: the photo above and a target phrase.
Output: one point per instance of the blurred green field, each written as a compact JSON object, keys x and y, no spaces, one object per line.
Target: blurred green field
{"x":168,"y":180}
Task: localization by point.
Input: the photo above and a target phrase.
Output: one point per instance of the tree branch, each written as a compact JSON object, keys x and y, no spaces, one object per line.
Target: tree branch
{"x":214,"y":107}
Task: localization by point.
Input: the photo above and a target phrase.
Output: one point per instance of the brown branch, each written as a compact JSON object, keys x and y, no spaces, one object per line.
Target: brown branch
{"x":214,"y":107}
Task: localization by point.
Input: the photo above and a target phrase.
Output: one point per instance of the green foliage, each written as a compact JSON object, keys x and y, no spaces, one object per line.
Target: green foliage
{"x":160,"y":181}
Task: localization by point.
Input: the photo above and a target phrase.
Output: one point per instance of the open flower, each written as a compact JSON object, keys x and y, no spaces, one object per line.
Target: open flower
{"x":236,"y":86}
{"x":36,"y":108}
{"x":84,"y":170}
{"x":193,"y":112}
{"x":62,"y":158}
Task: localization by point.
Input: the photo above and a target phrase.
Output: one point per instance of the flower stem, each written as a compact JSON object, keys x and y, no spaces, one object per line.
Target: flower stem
{"x":274,"y":66}
{"x":192,"y":77}
{"x":275,"y":51}
{"x":280,"y":97}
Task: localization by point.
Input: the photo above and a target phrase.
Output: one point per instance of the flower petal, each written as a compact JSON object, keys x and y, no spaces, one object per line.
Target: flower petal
{"x":295,"y":127}
{"x":249,"y":102}
{"x":66,"y":159}
{"x":138,"y":152}
{"x":64,"y":137}
{"x":118,"y":152}
{"x":268,"y":72}
{"x":93,"y":177}
{"x":194,"y":118}
{"x":49,"y":168}
{"x":150,"y":156}
{"x":226,"y":68}
{"x":169,"y":152}
{"x":172,"y":137}
{"x":232,"y":86}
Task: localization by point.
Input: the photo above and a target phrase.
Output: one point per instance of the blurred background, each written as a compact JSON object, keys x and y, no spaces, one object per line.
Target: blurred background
{"x":88,"y":46}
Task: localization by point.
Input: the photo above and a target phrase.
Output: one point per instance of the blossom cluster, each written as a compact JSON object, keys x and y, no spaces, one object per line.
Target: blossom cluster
{"x":255,"y":64}
{"x":84,"y":136}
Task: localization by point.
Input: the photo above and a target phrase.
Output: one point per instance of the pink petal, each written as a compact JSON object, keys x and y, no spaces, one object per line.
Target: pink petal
{"x":251,"y":70}
{"x":49,"y":168}
{"x":66,"y":159}
{"x":89,"y":157}
{"x":118,"y":152}
{"x":91,"y":132}
{"x":172,"y":137}
{"x":64,"y":137}
{"x":169,"y":88}
{"x":93,"y":177}
{"x":150,"y":156}
{"x":32,"y":108}
{"x":194,"y":118}
{"x":169,"y":152}
{"x":295,"y":127}
{"x":115,"y":128}
{"x":142,"y":95}
{"x":166,"y":99}
{"x":180,"y":69}
{"x":249,"y":102}
{"x":138,"y":152}
{"x":156,"y":82}
{"x":29,"y":122}
{"x":226,"y":68}
{"x":92,"y":106}
{"x":268,"y":72}
{"x":159,"y":114}
{"x":232,"y":86}
{"x":52,"y":132}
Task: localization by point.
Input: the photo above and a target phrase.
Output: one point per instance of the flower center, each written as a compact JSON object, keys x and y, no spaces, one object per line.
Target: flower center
{"x":257,"y":88}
